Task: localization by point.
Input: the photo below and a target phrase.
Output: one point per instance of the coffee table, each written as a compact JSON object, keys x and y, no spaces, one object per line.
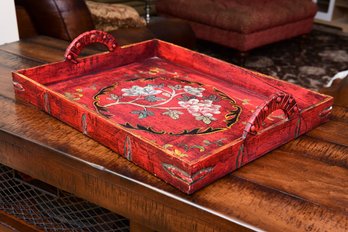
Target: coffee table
{"x":303,"y":185}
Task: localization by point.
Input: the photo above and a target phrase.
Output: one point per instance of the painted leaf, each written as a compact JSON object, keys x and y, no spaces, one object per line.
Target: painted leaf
{"x":213,"y":98}
{"x":166,"y":94}
{"x":175,"y":87}
{"x":143,"y":113}
{"x":201,"y":148}
{"x":186,"y":98}
{"x":179,"y":153}
{"x":167,"y":146}
{"x":185,"y":146}
{"x":194,"y":91}
{"x":153,"y":98}
{"x":245,"y":102}
{"x":220,"y":142}
{"x":160,"y":85}
{"x":174,"y":114}
{"x":68,"y":95}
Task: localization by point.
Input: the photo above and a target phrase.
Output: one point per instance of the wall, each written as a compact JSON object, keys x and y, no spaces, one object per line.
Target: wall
{"x":8,"y":22}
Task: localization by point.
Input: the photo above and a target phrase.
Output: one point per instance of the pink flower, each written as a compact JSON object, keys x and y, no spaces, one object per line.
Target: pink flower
{"x":200,"y":107}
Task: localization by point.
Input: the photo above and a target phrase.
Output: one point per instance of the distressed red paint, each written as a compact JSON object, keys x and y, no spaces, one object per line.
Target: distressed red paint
{"x":186,"y":117}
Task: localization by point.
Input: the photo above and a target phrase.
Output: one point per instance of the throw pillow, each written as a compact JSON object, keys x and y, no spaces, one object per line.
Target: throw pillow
{"x":108,"y":17}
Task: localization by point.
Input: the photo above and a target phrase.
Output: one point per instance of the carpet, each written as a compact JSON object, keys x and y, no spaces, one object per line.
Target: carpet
{"x":309,"y":61}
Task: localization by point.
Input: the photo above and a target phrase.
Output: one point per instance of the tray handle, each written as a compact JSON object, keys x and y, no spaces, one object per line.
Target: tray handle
{"x":278,"y":101}
{"x":87,"y":38}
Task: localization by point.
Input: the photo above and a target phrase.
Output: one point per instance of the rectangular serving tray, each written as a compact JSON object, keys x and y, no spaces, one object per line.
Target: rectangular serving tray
{"x":185,"y":117}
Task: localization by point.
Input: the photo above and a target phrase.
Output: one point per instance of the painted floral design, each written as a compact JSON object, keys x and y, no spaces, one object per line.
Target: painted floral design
{"x":193,"y":91}
{"x":174,"y":114}
{"x":140,"y":91}
{"x":167,"y":105}
{"x":78,"y":93}
{"x":203,"y":110}
{"x":174,"y":151}
{"x":158,"y":96}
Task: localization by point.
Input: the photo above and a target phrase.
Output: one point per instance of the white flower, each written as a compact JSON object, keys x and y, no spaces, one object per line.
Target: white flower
{"x":200,"y":107}
{"x":194,"y":91}
{"x":140,"y":91}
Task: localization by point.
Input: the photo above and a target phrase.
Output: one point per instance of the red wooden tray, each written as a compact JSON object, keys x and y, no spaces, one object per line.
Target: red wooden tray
{"x":181,"y":115}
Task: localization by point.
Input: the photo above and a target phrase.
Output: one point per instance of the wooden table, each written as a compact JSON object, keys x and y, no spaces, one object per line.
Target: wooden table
{"x":301,"y":186}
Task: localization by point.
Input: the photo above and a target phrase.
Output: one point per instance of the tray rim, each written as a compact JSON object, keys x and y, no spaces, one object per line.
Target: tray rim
{"x":186,"y":164}
{"x":157,"y":41}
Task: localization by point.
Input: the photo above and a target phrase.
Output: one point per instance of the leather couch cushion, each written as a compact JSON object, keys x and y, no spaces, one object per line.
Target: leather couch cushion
{"x":107,"y":17}
{"x":245,"y":16}
{"x":64,"y":19}
{"x":26,"y":28}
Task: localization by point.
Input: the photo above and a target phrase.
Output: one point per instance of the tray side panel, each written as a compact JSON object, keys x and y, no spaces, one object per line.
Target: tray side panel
{"x":64,"y":70}
{"x":27,"y":90}
{"x":274,"y":136}
{"x":252,"y":81}
{"x":131,"y":147}
{"x":219,"y":165}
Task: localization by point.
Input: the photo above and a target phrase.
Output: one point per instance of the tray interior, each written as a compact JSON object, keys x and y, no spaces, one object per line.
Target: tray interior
{"x":174,"y":106}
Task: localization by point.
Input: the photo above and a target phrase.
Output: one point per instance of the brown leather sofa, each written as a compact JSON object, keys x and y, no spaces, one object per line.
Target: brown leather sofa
{"x":66,"y":19}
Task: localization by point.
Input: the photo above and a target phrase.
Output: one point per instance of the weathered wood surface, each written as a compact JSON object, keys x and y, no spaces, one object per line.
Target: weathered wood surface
{"x":303,"y":186}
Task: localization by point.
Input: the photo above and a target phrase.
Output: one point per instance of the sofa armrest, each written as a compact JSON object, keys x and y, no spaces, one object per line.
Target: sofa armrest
{"x":63,"y":19}
{"x":26,"y":28}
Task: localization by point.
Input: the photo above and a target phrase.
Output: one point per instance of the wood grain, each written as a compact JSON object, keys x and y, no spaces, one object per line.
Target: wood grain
{"x":136,"y":227}
{"x":8,"y":63}
{"x":62,"y":45}
{"x":305,"y":178}
{"x":6,"y":228}
{"x":300,"y":187}
{"x":340,"y":114}
{"x":32,"y":51}
{"x":111,"y":191}
{"x":339,"y":91}
{"x":9,"y":223}
{"x":332,"y":131}
{"x":318,"y":149}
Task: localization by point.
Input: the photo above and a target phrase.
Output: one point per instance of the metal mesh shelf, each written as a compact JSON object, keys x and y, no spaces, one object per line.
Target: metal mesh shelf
{"x":51,"y":209}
